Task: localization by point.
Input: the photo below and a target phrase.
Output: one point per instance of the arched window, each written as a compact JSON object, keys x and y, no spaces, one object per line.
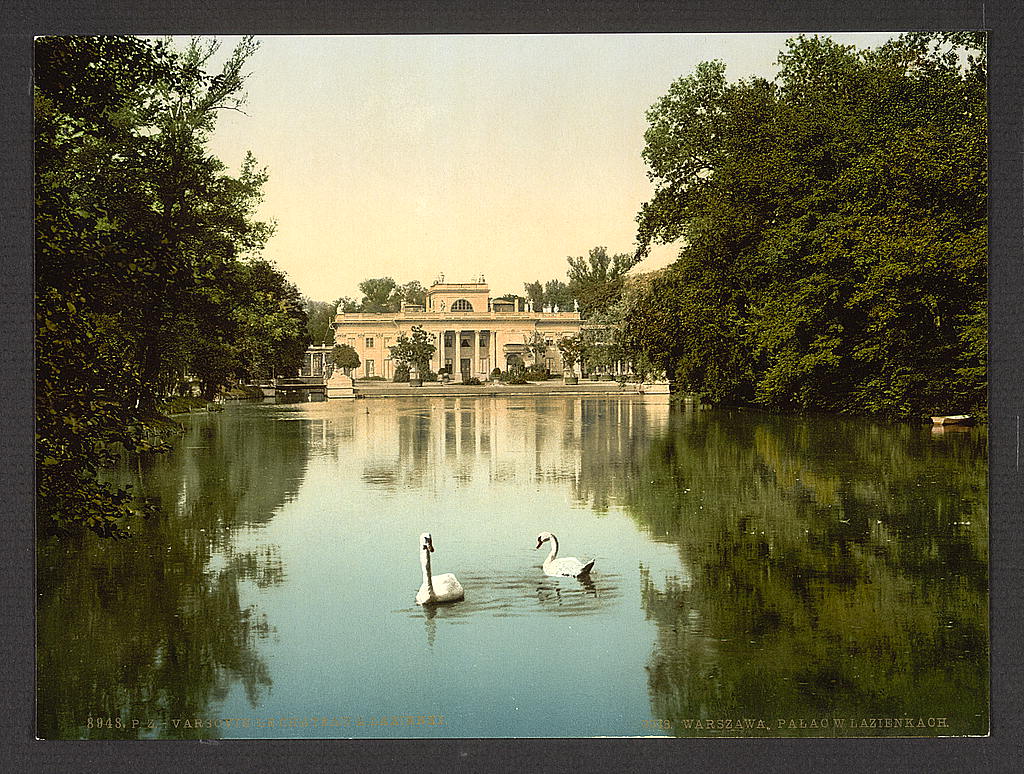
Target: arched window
{"x":462,"y":305}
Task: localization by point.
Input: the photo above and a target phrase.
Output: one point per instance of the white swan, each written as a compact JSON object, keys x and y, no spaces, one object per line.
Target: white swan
{"x":566,"y":567}
{"x":443,"y":588}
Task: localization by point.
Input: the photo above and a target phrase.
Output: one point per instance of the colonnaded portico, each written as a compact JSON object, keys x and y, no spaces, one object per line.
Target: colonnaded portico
{"x":473,"y":333}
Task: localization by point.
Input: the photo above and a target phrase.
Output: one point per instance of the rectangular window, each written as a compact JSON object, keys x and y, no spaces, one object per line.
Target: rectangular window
{"x":369,"y":368}
{"x":484,"y":338}
{"x":449,"y":340}
{"x":484,"y":366}
{"x":369,"y":342}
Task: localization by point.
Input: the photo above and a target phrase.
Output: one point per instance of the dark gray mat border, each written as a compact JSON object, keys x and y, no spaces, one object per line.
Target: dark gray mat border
{"x":22,"y":19}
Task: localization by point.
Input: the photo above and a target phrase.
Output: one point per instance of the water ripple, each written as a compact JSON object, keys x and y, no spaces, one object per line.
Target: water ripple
{"x":510,"y":595}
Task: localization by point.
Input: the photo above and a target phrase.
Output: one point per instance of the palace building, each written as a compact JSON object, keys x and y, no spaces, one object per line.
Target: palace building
{"x":473,"y":333}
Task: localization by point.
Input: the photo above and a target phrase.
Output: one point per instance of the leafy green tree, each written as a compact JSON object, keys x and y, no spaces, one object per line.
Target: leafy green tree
{"x":409,"y":293}
{"x":549,"y":294}
{"x":833,"y":230}
{"x":596,"y":281}
{"x":346,"y":304}
{"x":272,"y":325}
{"x":415,"y":349}
{"x":86,"y":383}
{"x":689,"y":331}
{"x":345,"y":357}
{"x":557,"y":293}
{"x":217,"y":364}
{"x":535,"y":292}
{"x":190,"y":217}
{"x":377,"y":295}
{"x":382,"y":295}
{"x":320,"y":315}
{"x":141,"y":239}
{"x":602,"y":340}
{"x":571,"y":348}
{"x":538,"y":347}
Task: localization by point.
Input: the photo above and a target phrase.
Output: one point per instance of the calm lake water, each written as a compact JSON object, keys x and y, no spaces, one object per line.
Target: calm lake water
{"x":749,"y":568}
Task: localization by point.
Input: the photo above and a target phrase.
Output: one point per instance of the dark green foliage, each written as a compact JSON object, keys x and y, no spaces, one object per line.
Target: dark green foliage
{"x":146,"y":276}
{"x":382,"y":295}
{"x":377,"y":295}
{"x":597,"y":280}
{"x":346,"y":304}
{"x":409,"y":293}
{"x":401,"y":373}
{"x":345,"y":357}
{"x":271,"y":334}
{"x":496,"y":373}
{"x":538,"y":347}
{"x":553,"y":293}
{"x":320,"y":315}
{"x":415,"y":349}
{"x":536,"y":374}
{"x":535,"y":292}
{"x":516,"y":374}
{"x":571,"y":348}
{"x":833,"y":226}
{"x":557,"y":294}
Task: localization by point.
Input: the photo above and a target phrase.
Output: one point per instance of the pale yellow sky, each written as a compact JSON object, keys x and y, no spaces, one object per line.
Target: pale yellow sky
{"x":408,"y":156}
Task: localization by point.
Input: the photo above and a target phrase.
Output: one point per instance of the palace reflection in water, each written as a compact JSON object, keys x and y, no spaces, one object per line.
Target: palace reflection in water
{"x":747,"y":566}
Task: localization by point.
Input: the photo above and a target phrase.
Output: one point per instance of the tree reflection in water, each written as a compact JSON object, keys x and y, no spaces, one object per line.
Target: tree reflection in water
{"x":152,"y":628}
{"x":837,"y":568}
{"x":825,"y":567}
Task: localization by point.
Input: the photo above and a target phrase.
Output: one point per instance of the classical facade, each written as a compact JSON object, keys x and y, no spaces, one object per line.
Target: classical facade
{"x":473,"y":333}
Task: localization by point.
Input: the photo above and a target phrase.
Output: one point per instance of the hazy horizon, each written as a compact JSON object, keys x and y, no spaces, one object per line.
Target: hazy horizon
{"x":501,"y":155}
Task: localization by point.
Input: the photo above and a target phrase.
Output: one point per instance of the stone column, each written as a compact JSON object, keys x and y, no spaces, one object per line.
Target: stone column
{"x":475,"y":370}
{"x":440,"y":350}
